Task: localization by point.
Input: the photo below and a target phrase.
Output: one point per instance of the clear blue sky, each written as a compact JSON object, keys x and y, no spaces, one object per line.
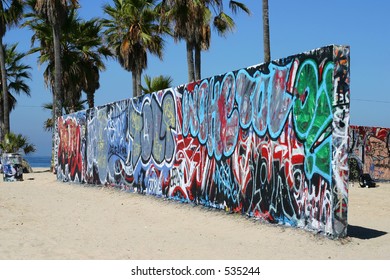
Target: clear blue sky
{"x":295,"y":26}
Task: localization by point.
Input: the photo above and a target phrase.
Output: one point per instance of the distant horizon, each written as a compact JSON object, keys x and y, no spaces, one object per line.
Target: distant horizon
{"x":38,"y":161}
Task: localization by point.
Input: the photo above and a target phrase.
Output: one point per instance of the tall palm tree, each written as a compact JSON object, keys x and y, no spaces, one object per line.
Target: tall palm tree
{"x":266,"y":40}
{"x":84,"y":44}
{"x":202,"y":36}
{"x":55,"y":12}
{"x":133,"y":30}
{"x":82,"y":52}
{"x":17,"y":75}
{"x":177,"y":13}
{"x":222,"y":22}
{"x":157,"y":83}
{"x":10,"y":13}
{"x":192,"y":22}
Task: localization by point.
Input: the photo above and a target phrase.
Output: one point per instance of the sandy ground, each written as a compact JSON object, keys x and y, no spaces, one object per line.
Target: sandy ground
{"x":42,"y":219}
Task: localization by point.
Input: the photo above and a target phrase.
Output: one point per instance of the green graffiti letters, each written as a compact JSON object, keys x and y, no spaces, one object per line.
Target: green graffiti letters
{"x":313,"y":115}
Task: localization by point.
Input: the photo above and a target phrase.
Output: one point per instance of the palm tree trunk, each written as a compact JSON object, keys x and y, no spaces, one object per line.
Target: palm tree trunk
{"x":91,"y":99}
{"x":266,"y":40}
{"x":58,"y":70}
{"x":53,"y":135}
{"x":134,"y":80}
{"x":5,"y":120}
{"x":198,"y":60}
{"x":139,"y":87}
{"x":57,"y":93}
{"x":190,"y":61}
{"x":1,"y":120}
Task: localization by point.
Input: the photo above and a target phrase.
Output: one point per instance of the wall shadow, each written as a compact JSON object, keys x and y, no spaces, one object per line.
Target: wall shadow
{"x":363,"y":232}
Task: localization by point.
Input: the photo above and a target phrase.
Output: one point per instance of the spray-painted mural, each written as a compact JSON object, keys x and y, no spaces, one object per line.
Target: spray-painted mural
{"x":12,"y":168}
{"x":370,"y":148}
{"x":269,"y":141}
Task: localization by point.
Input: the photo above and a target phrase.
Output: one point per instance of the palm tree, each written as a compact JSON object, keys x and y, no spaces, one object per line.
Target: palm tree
{"x":201,"y":37}
{"x":191,"y":22}
{"x":222,"y":23}
{"x":55,"y":12}
{"x":266,"y":41}
{"x":91,"y":81}
{"x":10,"y":13}
{"x":13,"y":143}
{"x":157,"y":83}
{"x":133,"y":30}
{"x":177,"y":13}
{"x":17,"y":73}
{"x":82,"y":52}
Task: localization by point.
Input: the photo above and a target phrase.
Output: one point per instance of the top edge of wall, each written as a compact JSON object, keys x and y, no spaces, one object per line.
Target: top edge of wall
{"x":275,"y":61}
{"x":367,"y":126}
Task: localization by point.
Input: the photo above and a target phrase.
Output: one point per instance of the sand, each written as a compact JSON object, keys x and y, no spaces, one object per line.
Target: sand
{"x":43,"y":219}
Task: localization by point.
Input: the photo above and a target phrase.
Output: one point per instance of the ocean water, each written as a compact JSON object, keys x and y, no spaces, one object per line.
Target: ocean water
{"x":38,"y":161}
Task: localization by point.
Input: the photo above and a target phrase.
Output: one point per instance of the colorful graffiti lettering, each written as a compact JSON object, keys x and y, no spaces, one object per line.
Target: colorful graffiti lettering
{"x":370,"y":147}
{"x":11,"y":167}
{"x":70,"y":148}
{"x":152,"y":130}
{"x":268,"y":141}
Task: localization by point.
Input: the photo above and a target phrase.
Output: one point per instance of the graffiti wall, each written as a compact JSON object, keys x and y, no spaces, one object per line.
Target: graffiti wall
{"x":11,"y":165}
{"x":370,"y":148}
{"x":269,"y":141}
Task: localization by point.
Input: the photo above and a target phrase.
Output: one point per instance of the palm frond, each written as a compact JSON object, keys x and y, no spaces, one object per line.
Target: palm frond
{"x":235,"y":6}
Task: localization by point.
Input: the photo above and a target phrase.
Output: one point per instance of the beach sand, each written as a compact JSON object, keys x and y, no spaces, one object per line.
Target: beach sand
{"x":43,"y":219}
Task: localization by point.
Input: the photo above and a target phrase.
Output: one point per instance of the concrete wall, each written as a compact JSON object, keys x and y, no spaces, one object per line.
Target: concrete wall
{"x":269,"y":141}
{"x":370,"y":147}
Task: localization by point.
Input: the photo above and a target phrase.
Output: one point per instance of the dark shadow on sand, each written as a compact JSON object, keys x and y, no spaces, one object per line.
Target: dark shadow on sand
{"x":43,"y":171}
{"x":364,"y":233}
